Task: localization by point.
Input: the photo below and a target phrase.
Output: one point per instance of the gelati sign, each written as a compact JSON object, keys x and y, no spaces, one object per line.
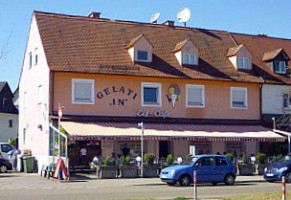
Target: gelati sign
{"x":127,"y":94}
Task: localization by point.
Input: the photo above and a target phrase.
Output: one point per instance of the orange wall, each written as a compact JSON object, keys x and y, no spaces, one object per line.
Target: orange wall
{"x":217,"y":97}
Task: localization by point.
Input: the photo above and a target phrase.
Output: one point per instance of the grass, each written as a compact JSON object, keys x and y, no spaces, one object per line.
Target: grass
{"x":267,"y":196}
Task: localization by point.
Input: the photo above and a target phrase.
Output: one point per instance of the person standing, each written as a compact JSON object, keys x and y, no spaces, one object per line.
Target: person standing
{"x":125,"y":150}
{"x":83,"y":152}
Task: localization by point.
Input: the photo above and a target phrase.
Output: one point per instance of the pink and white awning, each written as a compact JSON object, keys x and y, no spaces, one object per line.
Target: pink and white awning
{"x":191,"y":132}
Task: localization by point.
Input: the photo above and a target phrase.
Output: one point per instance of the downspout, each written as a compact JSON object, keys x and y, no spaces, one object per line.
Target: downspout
{"x":52,"y":91}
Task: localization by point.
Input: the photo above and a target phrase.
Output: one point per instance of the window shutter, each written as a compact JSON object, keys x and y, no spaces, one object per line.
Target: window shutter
{"x":238,"y":98}
{"x":83,"y":92}
{"x":195,"y":96}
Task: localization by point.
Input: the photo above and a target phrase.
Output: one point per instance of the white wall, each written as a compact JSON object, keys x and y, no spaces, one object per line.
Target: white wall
{"x":272,"y":98}
{"x":36,"y":113}
{"x":7,"y":132}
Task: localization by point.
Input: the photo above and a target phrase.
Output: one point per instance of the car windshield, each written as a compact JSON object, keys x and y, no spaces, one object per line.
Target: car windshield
{"x":189,"y":161}
{"x":286,"y":158}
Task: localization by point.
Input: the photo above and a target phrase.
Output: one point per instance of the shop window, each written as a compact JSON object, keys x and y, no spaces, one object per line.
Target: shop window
{"x":280,"y":67}
{"x":142,"y":56}
{"x":82,"y":91}
{"x":243,"y":63}
{"x":238,"y":97}
{"x":189,"y":59}
{"x":195,"y":96}
{"x":151,"y":94}
{"x":287,"y":101}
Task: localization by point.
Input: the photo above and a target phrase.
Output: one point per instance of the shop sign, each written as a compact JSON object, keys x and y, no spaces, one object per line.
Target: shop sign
{"x":155,"y":113}
{"x":173,"y":94}
{"x":113,"y":90}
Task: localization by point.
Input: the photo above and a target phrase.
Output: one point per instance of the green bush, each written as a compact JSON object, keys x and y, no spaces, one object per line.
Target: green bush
{"x":107,"y":161}
{"x":169,"y":159}
{"x":276,"y":157}
{"x":113,"y":162}
{"x":149,"y":158}
{"x":188,"y":155}
{"x":125,"y":160}
{"x":261,"y":158}
{"x":230,"y":156}
{"x":12,"y":141}
{"x":244,"y":158}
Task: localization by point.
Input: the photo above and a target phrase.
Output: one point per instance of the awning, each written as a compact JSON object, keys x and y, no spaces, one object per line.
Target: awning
{"x":191,"y":132}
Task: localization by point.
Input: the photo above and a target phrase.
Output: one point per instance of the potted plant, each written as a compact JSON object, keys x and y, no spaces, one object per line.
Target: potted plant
{"x":108,"y":170}
{"x":230,"y":156}
{"x":261,"y":160}
{"x":127,"y":171}
{"x":149,"y":169}
{"x":244,"y":167}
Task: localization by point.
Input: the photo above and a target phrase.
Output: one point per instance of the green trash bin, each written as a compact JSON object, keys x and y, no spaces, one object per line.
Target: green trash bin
{"x":28,"y":164}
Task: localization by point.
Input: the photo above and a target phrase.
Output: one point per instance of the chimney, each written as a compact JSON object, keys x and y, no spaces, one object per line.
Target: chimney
{"x":169,"y":23}
{"x":94,"y":15}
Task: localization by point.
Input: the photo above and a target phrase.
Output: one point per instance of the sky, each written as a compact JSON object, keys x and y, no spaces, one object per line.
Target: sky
{"x":271,"y":17}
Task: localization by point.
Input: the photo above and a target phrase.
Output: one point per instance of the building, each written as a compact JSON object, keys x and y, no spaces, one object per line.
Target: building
{"x":190,"y":87}
{"x":8,"y":114}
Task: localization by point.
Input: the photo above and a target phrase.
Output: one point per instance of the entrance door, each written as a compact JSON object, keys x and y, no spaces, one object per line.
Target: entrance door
{"x":164,"y":149}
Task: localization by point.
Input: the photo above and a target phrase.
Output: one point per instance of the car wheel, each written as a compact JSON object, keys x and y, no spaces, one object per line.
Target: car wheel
{"x":288,"y":177}
{"x":229,"y":179}
{"x":3,"y":168}
{"x":184,"y":180}
{"x":171,"y":184}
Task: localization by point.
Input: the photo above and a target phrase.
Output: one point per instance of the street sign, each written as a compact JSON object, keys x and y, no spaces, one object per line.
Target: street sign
{"x":60,"y":113}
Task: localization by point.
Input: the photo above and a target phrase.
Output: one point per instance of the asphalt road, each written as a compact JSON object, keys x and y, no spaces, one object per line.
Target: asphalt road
{"x":22,"y":186}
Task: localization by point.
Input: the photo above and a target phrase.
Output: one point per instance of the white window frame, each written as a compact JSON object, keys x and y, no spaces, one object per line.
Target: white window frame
{"x":188,"y":63}
{"x":280,"y":72}
{"x":153,"y":85}
{"x":246,"y":97}
{"x":39,"y":94}
{"x":243,"y":61}
{"x":92,"y":82}
{"x":203,"y":95}
{"x":140,"y":59}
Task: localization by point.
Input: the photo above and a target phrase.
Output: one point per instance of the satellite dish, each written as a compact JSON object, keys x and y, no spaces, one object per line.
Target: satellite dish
{"x":183,"y":15}
{"x":155,"y":17}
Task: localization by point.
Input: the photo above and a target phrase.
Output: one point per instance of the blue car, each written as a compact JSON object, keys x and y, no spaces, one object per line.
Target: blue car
{"x":209,"y":168}
{"x":278,"y":169}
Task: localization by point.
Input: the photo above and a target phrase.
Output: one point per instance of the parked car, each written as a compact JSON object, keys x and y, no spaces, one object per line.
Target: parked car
{"x":5,"y":165}
{"x":209,"y":168}
{"x":5,"y":148}
{"x":275,"y":171}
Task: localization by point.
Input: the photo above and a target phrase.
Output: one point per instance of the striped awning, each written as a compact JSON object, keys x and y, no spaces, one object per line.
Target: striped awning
{"x":129,"y":131}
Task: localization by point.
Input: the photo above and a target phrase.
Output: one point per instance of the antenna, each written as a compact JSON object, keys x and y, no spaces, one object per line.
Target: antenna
{"x":183,"y":15}
{"x":155,"y":17}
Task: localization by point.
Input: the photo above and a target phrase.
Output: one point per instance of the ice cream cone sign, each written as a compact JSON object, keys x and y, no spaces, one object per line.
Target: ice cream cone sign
{"x":174,"y":91}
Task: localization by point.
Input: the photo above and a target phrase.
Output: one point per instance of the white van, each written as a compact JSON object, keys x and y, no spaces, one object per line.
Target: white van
{"x":5,"y":148}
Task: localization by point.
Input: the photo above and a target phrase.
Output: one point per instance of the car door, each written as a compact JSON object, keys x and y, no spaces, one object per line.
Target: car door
{"x":5,"y":148}
{"x":222,"y":168}
{"x":206,"y":170}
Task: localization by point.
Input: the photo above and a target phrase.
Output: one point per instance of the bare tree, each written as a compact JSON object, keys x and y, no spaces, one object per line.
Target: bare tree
{"x":4,"y":48}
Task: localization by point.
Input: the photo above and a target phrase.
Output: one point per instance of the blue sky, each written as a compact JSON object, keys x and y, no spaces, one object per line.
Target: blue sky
{"x":271,"y":17}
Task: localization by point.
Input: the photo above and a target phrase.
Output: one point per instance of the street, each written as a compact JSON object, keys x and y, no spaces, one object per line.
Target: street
{"x":31,"y":186}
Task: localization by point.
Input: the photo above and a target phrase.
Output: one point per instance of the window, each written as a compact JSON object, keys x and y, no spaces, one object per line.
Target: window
{"x":25,"y":100}
{"x":39,"y":94}
{"x":6,"y":148}
{"x":243,"y":63}
{"x":287,"y":101}
{"x":142,"y":56}
{"x":30,"y":60}
{"x":189,"y":59}
{"x":194,"y":95}
{"x":83,"y":91}
{"x":220,"y":161}
{"x":238,"y":97}
{"x":280,"y":67}
{"x":36,"y":56}
{"x":10,"y":123}
{"x":4,"y":102}
{"x":151,"y":94}
{"x":207,"y":161}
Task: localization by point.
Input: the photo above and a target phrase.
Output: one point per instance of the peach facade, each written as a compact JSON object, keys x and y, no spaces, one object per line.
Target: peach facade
{"x":121,"y":96}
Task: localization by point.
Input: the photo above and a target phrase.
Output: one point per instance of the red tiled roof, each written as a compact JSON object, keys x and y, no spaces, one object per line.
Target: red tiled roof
{"x":258,"y":47}
{"x":86,"y":45}
{"x":232,"y":51}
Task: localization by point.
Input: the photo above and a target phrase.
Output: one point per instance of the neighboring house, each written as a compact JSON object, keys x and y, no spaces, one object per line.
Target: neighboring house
{"x":8,"y":114}
{"x":192,"y":89}
{"x":272,"y":61}
{"x":16,"y":98}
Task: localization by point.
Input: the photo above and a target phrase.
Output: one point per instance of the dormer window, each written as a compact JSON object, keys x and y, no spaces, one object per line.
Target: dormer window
{"x":280,"y":67}
{"x":140,"y":49}
{"x":142,"y":56}
{"x":189,"y":59}
{"x":186,"y":53}
{"x":244,"y":63}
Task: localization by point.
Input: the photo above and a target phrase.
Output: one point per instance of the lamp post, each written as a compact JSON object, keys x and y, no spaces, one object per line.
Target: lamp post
{"x":141,"y":144}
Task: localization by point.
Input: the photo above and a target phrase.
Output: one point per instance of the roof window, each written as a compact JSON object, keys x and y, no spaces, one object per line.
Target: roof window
{"x":140,"y":49}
